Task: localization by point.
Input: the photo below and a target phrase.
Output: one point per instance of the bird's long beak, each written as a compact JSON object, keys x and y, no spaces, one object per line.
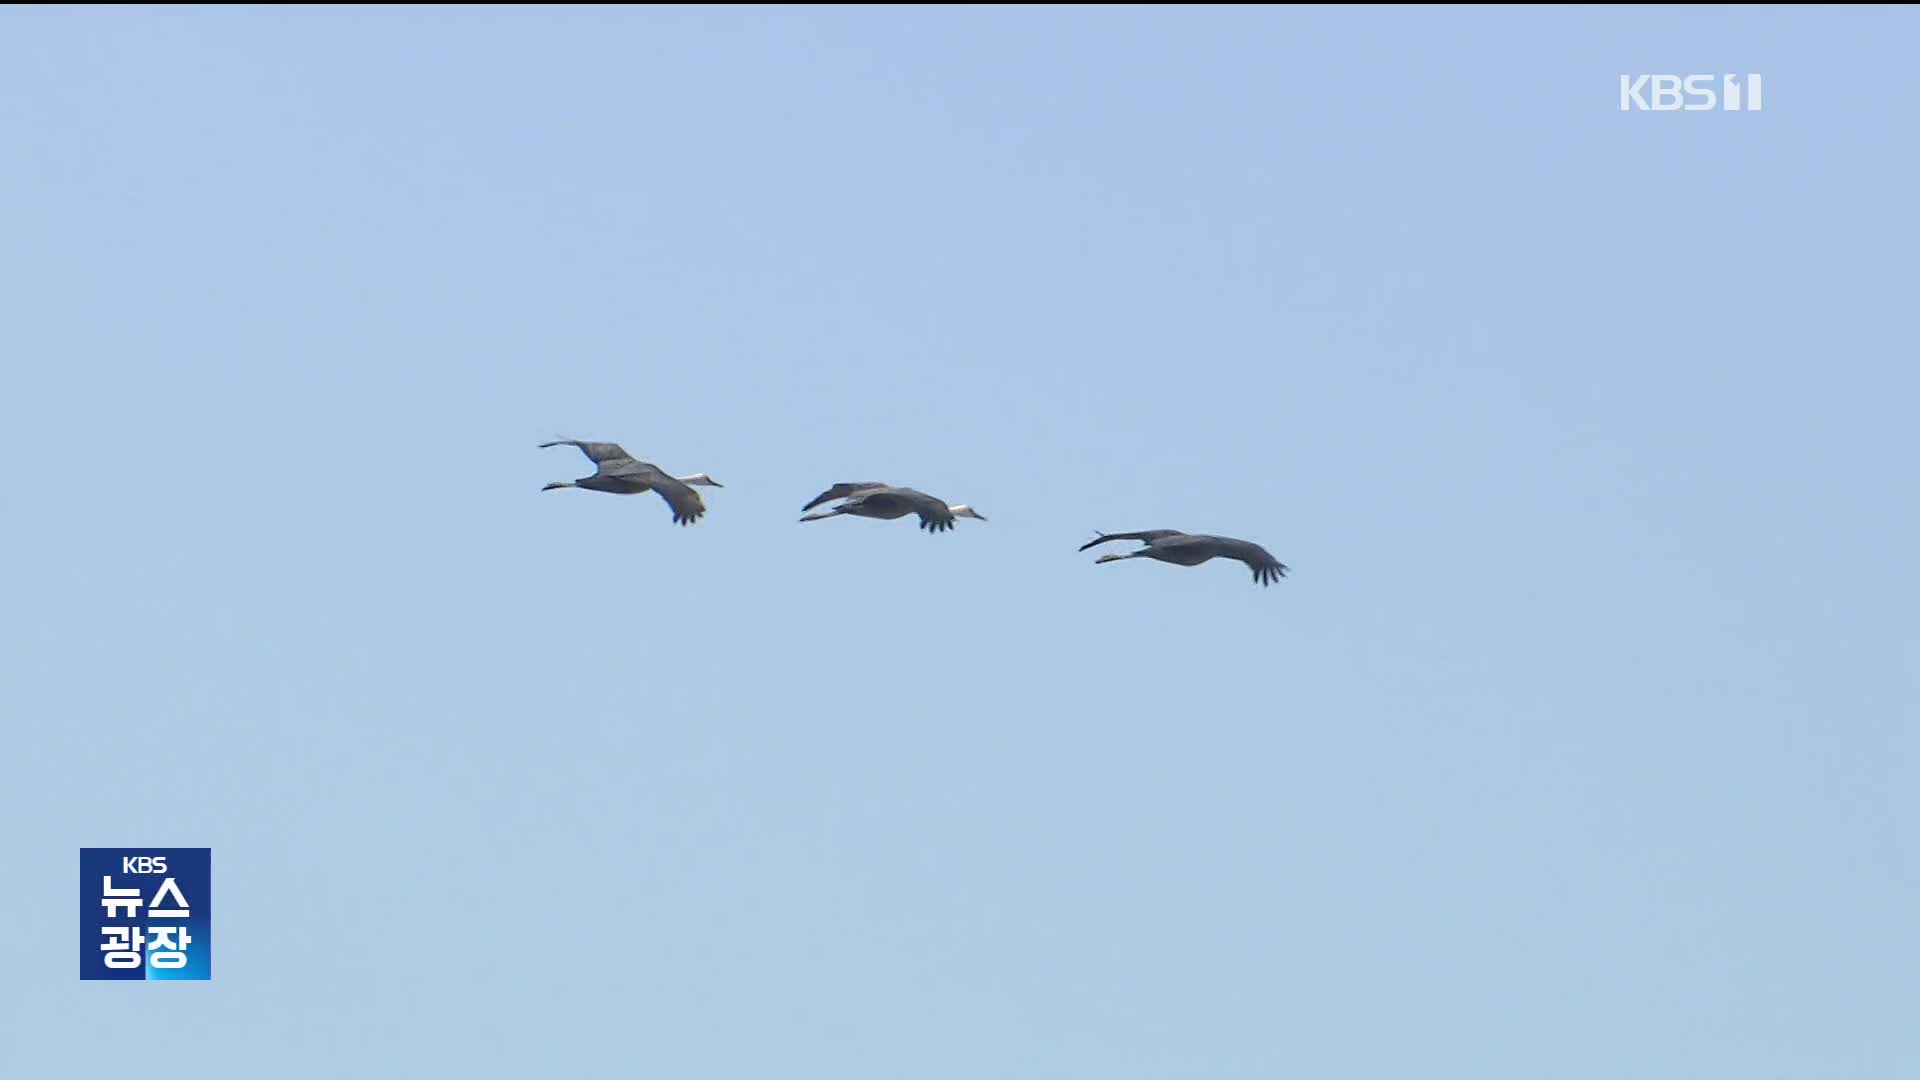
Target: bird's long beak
{"x":557,"y":484}
{"x":1108,"y":558}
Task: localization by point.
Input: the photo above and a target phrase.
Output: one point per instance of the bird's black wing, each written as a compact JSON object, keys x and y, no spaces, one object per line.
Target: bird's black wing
{"x":597,"y":452}
{"x":1266,"y":569}
{"x":841,"y":491}
{"x":1146,"y":537}
{"x":934,"y":514}
{"x":684,"y":501}
{"x":631,"y":477}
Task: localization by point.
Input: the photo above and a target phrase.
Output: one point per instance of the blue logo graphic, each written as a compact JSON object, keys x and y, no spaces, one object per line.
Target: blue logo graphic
{"x":146,"y":913}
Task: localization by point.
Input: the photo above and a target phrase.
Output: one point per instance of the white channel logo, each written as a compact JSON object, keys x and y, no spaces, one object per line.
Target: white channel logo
{"x":1689,"y":93}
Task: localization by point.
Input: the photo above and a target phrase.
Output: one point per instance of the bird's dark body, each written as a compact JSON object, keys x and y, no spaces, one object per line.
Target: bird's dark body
{"x":888,"y":505}
{"x":613,"y":485}
{"x":1181,"y":551}
{"x":616,"y":472}
{"x":1192,"y":549}
{"x":887,"y":502}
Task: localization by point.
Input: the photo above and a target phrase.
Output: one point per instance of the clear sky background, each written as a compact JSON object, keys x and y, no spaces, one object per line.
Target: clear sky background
{"x":1579,"y":744}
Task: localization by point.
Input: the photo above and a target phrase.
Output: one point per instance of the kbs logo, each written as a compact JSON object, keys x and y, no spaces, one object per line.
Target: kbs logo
{"x":134,"y":927}
{"x":1688,"y":93}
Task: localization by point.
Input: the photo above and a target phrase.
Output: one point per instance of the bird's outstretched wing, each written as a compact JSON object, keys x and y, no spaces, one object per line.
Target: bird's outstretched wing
{"x":1146,"y":537}
{"x":933,"y":512}
{"x":683,"y":500}
{"x":597,"y":452}
{"x":841,"y":491}
{"x":1266,"y":569}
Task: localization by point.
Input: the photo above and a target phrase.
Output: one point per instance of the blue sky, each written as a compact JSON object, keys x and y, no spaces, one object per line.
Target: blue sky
{"x":1579,"y":744}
